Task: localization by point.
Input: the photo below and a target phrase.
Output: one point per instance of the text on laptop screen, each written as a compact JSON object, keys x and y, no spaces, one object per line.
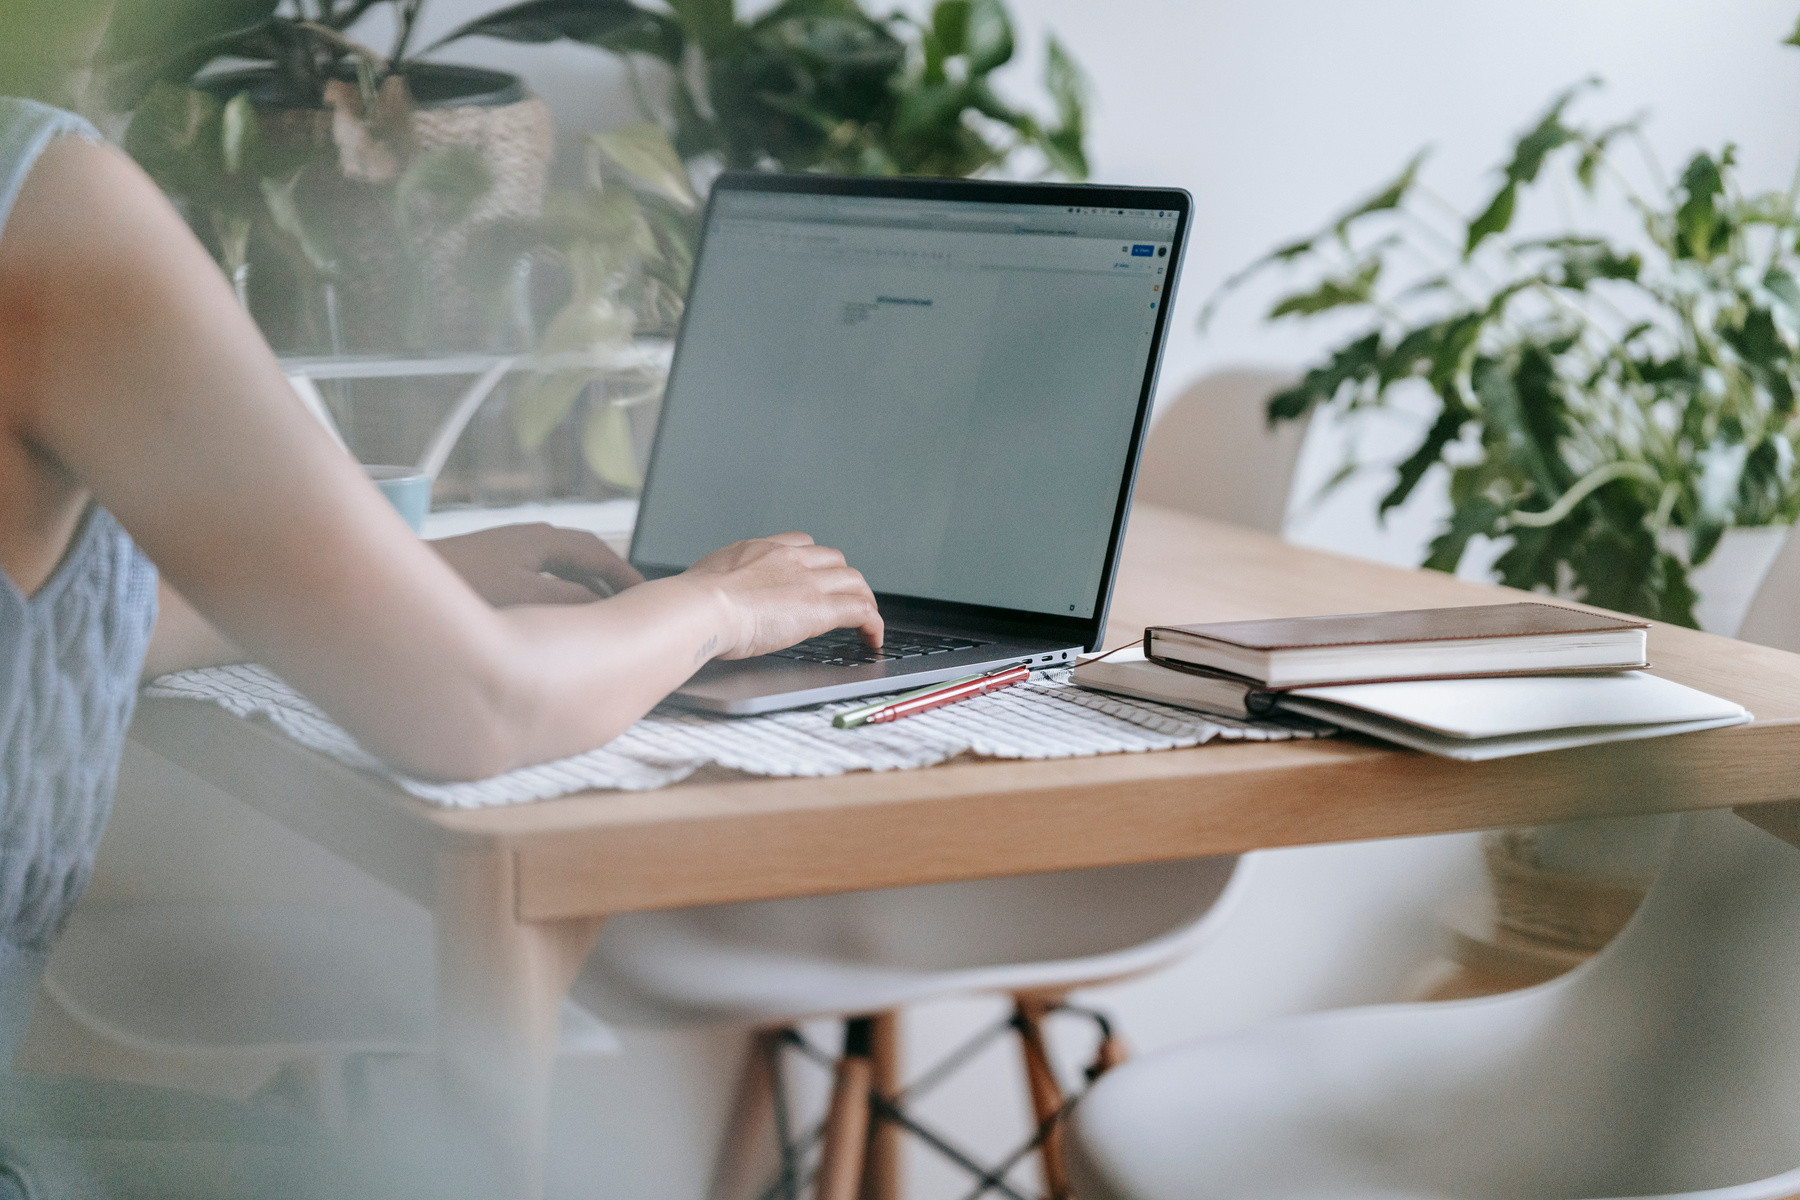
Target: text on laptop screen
{"x":945,"y":391}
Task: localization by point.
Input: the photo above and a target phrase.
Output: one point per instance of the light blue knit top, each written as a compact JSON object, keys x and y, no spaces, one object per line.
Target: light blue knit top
{"x":70,"y":655}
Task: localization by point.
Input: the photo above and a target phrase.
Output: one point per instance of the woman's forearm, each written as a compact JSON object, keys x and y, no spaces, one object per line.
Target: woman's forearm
{"x":590,"y":671}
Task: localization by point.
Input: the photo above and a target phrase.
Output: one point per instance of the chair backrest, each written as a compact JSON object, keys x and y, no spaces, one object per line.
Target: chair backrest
{"x":1695,"y":1011}
{"x":1212,"y":453}
{"x":1774,"y":615}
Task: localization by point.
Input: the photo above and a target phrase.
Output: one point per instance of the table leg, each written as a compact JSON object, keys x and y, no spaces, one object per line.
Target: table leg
{"x":501,"y":984}
{"x":881,"y":1169}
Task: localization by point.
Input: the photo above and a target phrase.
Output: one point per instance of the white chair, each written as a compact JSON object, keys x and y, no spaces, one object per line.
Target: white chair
{"x":1212,"y":453}
{"x":1773,"y":618}
{"x":869,"y":954}
{"x":1669,"y":1065}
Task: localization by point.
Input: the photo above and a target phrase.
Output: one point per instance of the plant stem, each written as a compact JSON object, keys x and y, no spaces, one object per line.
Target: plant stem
{"x":346,"y":45}
{"x":409,"y":17}
{"x":1585,"y":486}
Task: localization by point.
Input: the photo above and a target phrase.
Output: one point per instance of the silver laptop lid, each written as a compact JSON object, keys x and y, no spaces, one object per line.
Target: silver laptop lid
{"x":946,"y":380}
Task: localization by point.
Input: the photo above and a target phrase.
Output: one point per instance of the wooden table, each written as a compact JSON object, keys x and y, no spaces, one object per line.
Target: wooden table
{"x":519,"y":893}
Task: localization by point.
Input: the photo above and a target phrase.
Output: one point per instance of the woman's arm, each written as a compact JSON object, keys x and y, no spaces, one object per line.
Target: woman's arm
{"x":128,"y":363}
{"x":507,"y":565}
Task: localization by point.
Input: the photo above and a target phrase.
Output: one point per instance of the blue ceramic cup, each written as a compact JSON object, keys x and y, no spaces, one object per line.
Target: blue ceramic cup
{"x":407,"y":488}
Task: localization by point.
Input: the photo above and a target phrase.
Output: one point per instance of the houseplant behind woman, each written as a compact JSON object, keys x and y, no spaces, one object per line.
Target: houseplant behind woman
{"x":139,"y":407}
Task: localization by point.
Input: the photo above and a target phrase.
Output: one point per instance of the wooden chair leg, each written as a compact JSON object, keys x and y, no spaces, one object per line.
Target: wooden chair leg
{"x":749,"y":1133}
{"x":1046,"y":1093}
{"x":847,"y":1123}
{"x":881,"y":1167}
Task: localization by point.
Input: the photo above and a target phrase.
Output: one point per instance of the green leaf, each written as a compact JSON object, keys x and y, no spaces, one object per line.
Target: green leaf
{"x":1454,"y":344}
{"x":712,"y":24}
{"x":451,"y":179}
{"x":540,"y":406}
{"x":238,"y":133}
{"x":1508,"y":431}
{"x":1292,"y":250}
{"x":160,"y":29}
{"x":1756,"y":339}
{"x":173,"y":135}
{"x":1385,"y":200}
{"x":1356,"y":363}
{"x":315,"y":242}
{"x":1542,"y":411}
{"x":1583,"y":259}
{"x":930,"y":107}
{"x":1701,"y":228}
{"x":1593,"y":150}
{"x":1703,"y":539}
{"x":616,"y":25}
{"x":1343,"y":291}
{"x":607,"y":447}
{"x":1477,"y":516}
{"x":1068,"y":88}
{"x":950,"y":27}
{"x":990,"y":36}
{"x":1548,"y":135}
{"x":1445,"y":430}
{"x":1781,"y":283}
{"x":1494,"y":218}
{"x":1792,"y":39}
{"x":643,"y":151}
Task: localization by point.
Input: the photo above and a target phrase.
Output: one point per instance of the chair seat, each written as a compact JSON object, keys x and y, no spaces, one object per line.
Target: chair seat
{"x":876,"y":951}
{"x":1668,"y":1065}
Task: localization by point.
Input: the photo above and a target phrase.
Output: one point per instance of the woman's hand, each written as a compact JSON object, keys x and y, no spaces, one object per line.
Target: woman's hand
{"x":783,"y":589}
{"x":537,"y":564}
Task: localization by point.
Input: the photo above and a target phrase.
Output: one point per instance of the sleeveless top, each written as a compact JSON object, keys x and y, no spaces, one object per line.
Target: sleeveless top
{"x":70,"y":656}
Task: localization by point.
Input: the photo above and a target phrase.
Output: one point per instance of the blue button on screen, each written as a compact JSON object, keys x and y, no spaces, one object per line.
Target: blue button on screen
{"x":1142,"y":251}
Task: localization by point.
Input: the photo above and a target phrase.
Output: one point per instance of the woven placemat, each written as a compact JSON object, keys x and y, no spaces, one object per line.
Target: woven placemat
{"x":1048,"y":717}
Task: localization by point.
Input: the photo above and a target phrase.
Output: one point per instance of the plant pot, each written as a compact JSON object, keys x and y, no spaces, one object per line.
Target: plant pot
{"x":1727,"y":581}
{"x":452,"y":105}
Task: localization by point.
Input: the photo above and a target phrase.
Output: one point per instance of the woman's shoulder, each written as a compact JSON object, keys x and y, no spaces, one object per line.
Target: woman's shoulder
{"x":26,"y":127}
{"x":27,"y":120}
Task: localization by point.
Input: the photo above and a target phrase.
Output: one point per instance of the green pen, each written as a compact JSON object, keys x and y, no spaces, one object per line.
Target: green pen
{"x":857,"y":716}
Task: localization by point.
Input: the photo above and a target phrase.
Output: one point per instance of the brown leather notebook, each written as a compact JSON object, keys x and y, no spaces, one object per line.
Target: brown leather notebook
{"x":1427,"y":643}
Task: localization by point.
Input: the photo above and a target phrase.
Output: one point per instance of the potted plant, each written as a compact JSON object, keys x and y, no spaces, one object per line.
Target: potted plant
{"x":822,"y":85}
{"x":1609,"y":413}
{"x":400,"y":159}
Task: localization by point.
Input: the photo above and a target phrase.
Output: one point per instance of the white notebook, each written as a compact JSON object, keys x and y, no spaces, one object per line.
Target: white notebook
{"x":1475,"y":719}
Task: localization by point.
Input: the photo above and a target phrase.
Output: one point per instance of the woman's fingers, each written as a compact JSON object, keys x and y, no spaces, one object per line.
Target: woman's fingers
{"x":785,"y":589}
{"x":582,"y":558}
{"x":819,"y":556}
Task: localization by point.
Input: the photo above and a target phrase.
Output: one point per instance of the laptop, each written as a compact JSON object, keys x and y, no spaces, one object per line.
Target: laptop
{"x":947,"y":380}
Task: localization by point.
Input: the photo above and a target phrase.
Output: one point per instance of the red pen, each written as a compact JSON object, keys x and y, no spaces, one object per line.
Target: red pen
{"x":936,"y":696}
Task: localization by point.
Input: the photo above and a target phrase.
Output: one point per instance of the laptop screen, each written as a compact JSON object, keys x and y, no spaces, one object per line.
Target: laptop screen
{"x":945,"y":390}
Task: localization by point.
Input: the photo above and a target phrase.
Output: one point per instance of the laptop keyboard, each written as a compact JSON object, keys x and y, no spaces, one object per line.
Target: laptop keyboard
{"x":844,"y":647}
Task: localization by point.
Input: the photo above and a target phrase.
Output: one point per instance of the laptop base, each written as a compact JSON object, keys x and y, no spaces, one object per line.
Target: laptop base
{"x":750,"y":686}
